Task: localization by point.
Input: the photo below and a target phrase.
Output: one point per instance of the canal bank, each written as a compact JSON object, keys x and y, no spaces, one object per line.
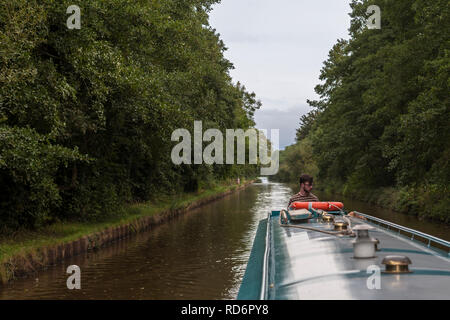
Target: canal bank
{"x":200,"y":255}
{"x":28,"y":252}
{"x":427,"y":202}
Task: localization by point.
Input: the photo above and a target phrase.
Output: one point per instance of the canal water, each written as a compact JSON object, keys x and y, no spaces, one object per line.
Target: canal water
{"x":200,"y":255}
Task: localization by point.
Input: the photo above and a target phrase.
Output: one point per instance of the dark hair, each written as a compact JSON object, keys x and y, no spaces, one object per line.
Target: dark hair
{"x":306,"y":178}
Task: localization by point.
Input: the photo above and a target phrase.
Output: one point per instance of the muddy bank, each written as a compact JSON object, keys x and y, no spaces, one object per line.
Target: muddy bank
{"x":25,"y":264}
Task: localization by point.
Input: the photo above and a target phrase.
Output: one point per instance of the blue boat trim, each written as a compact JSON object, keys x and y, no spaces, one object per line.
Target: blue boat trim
{"x":251,"y":283}
{"x":404,"y":251}
{"x":268,"y":244}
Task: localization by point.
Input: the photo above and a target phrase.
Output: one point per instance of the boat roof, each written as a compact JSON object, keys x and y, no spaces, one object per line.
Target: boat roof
{"x":294,"y":264}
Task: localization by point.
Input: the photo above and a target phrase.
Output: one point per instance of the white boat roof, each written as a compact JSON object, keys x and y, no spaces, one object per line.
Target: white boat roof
{"x":304,"y":264}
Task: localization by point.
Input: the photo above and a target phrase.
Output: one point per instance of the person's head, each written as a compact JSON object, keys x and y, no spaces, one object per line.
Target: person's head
{"x":306,"y":182}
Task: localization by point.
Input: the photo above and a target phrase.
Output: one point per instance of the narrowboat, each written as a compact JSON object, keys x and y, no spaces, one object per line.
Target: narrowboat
{"x":319,"y":251}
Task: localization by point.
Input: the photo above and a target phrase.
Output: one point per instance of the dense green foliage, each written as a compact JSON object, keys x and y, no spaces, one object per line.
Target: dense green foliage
{"x":296,"y":160}
{"x":382,"y":121}
{"x":86,"y":116}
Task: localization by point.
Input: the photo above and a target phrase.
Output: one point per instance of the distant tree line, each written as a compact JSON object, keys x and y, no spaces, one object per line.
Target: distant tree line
{"x":382,"y":120}
{"x":86,"y":115}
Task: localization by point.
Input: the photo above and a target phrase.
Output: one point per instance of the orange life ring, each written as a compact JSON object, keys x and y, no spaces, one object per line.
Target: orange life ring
{"x":326,"y":206}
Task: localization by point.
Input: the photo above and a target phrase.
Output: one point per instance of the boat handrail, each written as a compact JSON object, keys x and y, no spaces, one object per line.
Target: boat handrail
{"x":413,"y":232}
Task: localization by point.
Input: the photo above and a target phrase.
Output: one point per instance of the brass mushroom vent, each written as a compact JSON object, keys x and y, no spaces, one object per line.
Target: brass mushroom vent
{"x":327,"y":218}
{"x":340,"y":225}
{"x":396,"y":264}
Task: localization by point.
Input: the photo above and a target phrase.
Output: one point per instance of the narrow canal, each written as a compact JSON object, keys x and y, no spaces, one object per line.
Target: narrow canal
{"x":200,"y":255}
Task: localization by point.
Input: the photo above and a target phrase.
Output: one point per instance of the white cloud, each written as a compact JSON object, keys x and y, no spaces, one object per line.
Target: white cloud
{"x":277,"y":48}
{"x":286,"y":120}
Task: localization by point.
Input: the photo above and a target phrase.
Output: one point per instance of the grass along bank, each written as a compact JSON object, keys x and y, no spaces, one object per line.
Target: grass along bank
{"x":26,"y":252}
{"x":427,"y":201}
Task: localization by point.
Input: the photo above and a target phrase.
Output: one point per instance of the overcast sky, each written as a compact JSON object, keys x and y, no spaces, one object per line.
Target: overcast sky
{"x":277,"y":48}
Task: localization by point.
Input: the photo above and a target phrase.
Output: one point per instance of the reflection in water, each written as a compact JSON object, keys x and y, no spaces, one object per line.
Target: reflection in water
{"x":200,"y":255}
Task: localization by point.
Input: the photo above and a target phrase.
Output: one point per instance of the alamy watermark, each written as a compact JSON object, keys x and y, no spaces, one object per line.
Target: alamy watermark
{"x":374,"y":21}
{"x":74,"y":281}
{"x":213,"y":153}
{"x":74,"y":20}
{"x":374,"y":280}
